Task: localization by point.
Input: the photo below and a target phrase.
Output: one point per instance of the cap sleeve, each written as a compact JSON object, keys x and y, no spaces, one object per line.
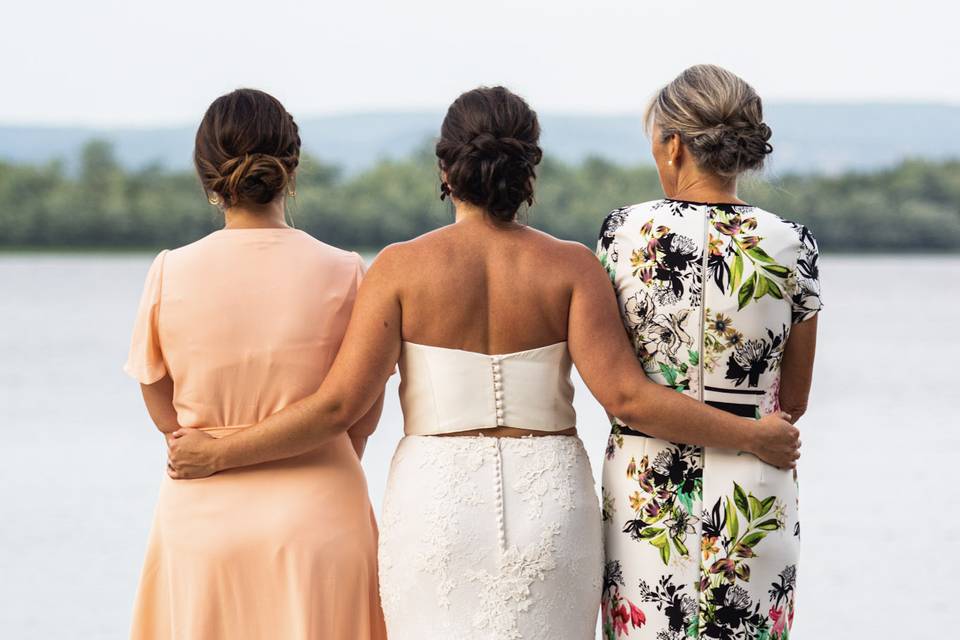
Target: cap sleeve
{"x":805,"y":298}
{"x":608,"y":249}
{"x":145,"y":360}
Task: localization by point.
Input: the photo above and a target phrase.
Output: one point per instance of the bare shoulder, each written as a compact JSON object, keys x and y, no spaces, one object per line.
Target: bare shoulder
{"x":566,"y":256}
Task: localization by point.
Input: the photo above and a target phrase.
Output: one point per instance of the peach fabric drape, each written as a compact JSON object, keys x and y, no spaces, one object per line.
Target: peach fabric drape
{"x":245,"y":322}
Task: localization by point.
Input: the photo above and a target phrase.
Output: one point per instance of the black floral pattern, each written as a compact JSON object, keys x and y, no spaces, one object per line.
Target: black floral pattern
{"x":753,"y":358}
{"x":678,"y":606}
{"x":806,"y":290}
{"x":708,"y":295}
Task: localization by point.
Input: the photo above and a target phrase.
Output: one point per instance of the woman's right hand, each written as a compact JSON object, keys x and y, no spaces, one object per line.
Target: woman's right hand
{"x":776,"y":441}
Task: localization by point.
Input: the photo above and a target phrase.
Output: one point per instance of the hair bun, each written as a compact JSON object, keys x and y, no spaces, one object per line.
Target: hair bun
{"x":256,"y":178}
{"x":489,"y":150}
{"x":717,"y":115}
{"x":247,"y":148}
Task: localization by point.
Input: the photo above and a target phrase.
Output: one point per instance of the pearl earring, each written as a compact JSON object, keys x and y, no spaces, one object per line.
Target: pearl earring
{"x":670,"y":162}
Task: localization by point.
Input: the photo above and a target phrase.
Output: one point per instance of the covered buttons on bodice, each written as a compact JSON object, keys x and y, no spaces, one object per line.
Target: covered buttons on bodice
{"x":449,"y":390}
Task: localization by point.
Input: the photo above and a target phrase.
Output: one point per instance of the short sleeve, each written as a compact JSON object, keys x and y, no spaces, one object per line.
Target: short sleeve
{"x":805,"y":299}
{"x":145,"y":360}
{"x":608,"y":251}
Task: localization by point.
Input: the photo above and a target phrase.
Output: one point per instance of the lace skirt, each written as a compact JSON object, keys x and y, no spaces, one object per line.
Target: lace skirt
{"x":490,"y":539}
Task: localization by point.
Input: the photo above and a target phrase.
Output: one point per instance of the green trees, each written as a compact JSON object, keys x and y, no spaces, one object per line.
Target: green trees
{"x":914,"y":206}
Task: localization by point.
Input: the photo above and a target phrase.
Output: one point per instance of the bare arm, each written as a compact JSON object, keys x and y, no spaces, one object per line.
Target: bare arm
{"x":606,"y":361}
{"x":159,"y":400}
{"x":365,"y":426}
{"x":796,"y":372}
{"x":367,"y":356}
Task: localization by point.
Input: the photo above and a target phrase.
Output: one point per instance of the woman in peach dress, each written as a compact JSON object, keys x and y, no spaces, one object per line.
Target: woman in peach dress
{"x":231,"y":329}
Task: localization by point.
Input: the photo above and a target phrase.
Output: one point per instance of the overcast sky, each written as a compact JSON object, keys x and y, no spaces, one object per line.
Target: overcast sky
{"x":109,"y":62}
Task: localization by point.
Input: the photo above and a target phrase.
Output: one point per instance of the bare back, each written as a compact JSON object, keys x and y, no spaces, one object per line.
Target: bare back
{"x":486,"y":287}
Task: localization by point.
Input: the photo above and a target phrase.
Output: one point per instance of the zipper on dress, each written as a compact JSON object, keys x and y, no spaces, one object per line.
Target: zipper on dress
{"x":703,"y":301}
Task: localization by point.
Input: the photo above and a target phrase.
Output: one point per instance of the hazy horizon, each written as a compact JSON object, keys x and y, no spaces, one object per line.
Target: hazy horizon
{"x":107,"y":63}
{"x":438,"y":110}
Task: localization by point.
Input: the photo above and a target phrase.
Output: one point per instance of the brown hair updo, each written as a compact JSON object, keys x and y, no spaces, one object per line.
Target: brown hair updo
{"x":247,"y":148}
{"x":718,"y":116}
{"x":489,"y":149}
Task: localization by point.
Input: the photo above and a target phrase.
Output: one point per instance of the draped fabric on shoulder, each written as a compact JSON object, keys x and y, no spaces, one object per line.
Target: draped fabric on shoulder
{"x":246,"y":322}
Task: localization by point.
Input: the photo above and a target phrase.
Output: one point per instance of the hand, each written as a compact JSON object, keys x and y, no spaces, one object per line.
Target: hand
{"x":190,"y":454}
{"x":776,"y":441}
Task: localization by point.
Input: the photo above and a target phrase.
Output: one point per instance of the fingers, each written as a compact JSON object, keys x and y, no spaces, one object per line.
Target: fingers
{"x":179,"y":433}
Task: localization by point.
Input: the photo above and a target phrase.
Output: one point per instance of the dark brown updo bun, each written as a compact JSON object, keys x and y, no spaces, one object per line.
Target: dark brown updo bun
{"x":489,"y":150}
{"x":247,"y":148}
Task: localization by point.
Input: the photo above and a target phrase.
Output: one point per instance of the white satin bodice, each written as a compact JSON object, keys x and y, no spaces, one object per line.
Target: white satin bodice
{"x":449,"y":390}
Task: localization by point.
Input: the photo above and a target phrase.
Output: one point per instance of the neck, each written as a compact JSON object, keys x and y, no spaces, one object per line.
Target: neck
{"x":268,"y":216}
{"x":467,"y":213}
{"x":706,"y":188}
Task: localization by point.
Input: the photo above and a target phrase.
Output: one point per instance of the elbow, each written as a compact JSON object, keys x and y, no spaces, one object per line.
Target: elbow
{"x":338,"y":418}
{"x":795,"y":410}
{"x":624,"y":405}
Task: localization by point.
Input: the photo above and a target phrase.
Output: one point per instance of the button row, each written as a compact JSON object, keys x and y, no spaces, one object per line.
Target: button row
{"x":497,"y":389}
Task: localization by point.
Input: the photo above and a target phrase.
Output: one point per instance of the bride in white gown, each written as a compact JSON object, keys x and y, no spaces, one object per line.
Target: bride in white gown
{"x":491,"y":528}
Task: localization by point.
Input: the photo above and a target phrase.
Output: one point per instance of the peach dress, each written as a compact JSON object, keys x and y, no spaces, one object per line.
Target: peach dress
{"x":245,"y":322}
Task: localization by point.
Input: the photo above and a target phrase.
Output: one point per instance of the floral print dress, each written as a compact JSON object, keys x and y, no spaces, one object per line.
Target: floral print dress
{"x":703,"y":542}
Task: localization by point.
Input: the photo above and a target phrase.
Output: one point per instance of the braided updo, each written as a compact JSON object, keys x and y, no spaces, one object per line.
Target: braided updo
{"x":247,"y":148}
{"x":718,"y":116}
{"x":489,"y":150}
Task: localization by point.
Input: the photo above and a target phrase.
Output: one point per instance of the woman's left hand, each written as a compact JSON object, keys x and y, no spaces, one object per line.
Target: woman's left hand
{"x":191,"y":454}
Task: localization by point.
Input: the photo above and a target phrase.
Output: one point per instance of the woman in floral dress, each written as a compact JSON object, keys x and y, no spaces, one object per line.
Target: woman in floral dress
{"x":720,"y":301}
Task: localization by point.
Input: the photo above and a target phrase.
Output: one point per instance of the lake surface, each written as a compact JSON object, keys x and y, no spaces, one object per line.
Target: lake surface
{"x":81,"y":462}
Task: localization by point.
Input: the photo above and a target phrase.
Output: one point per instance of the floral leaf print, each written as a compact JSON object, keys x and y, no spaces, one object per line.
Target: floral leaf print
{"x":753,"y":358}
{"x":678,"y":607}
{"x":608,"y":508}
{"x":782,"y":603}
{"x":768,"y":278}
{"x":675,"y":207}
{"x":776,"y":269}
{"x":611,"y":224}
{"x":733,"y":523}
{"x":746,"y":291}
{"x":662,"y":507}
{"x":740,"y":498}
{"x":751,"y":245}
{"x":736,"y":273}
{"x":618,"y":614}
{"x":760,"y":508}
{"x":805,"y":281}
{"x":754,"y":272}
{"x":609,"y":266}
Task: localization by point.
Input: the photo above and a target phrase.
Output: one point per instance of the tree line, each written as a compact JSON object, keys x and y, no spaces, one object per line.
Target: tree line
{"x":914,"y":206}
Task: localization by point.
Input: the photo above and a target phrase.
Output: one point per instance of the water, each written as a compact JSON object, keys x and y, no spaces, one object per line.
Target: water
{"x":80,"y":463}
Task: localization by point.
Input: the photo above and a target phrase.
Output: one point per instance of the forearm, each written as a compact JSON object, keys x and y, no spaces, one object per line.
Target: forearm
{"x":669,"y":415}
{"x":301,"y":427}
{"x":365,"y":426}
{"x":158,"y":398}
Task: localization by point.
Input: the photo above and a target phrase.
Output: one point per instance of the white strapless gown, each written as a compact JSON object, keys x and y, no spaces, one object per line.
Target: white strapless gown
{"x":489,"y":538}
